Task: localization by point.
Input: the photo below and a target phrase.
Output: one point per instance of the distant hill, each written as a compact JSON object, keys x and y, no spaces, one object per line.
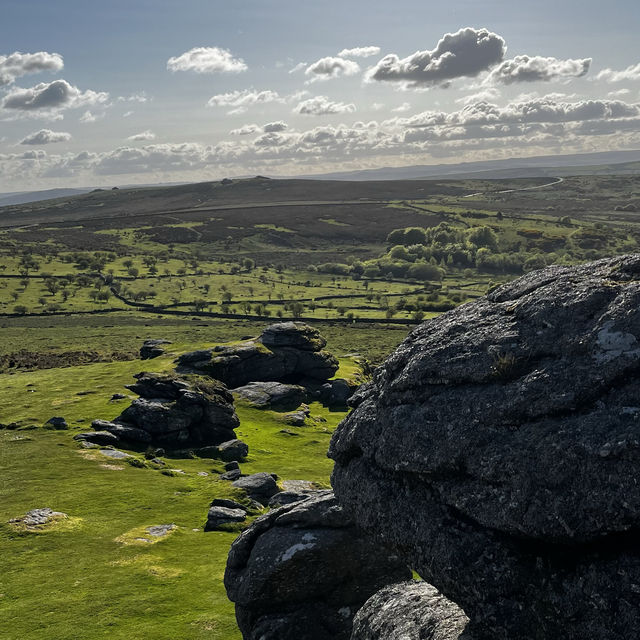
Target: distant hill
{"x":603,"y":163}
{"x":37,"y":196}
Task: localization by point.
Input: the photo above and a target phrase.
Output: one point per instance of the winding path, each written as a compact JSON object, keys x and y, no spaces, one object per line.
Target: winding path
{"x":557,"y":180}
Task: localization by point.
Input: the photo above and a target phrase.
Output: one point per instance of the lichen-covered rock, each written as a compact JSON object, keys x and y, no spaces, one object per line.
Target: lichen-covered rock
{"x":282,"y":354}
{"x":152,"y":349}
{"x":176,"y":413}
{"x":499,"y":449}
{"x":302,"y":571}
{"x":233,"y":450}
{"x":410,"y":611}
{"x":258,"y":486}
{"x":98,"y":437}
{"x":272,"y":395}
{"x":219,"y":516}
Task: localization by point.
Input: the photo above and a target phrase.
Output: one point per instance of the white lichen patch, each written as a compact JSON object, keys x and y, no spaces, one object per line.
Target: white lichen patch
{"x":308,"y":542}
{"x":613,"y":344}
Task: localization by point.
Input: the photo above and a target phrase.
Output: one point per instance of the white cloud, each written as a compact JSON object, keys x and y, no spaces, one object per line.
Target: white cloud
{"x":246,"y":130}
{"x":128,"y":114}
{"x":144,"y":136}
{"x":207,"y":60}
{"x":630,"y":73}
{"x":359,"y":52}
{"x":243,"y":99}
{"x":405,"y":106}
{"x":484,"y":95}
{"x":538,"y":69}
{"x":51,"y":97}
{"x":468,"y":52}
{"x":46,"y":136}
{"x":87,"y":117}
{"x":619,"y":93}
{"x":377,"y":106}
{"x":135,"y":97}
{"x":19,"y":64}
{"x":274,"y":127}
{"x":299,"y":67}
{"x":331,"y":67}
{"x":321,"y":106}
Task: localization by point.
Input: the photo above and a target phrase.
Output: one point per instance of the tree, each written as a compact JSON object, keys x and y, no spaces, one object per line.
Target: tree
{"x":199,"y":304}
{"x":425,"y":272}
{"x":417,"y":316}
{"x":132,"y":271}
{"x":248,"y":264}
{"x":20,"y":309}
{"x":297,"y":309}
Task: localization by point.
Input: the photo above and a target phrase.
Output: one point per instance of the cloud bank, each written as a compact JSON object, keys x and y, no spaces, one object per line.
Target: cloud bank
{"x":46,"y":136}
{"x":538,"y":69}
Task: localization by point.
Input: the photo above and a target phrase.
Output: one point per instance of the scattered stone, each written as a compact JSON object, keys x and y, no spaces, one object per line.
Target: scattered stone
{"x":229,"y":504}
{"x":114,"y":453}
{"x":230,"y":466}
{"x":88,"y":445}
{"x":161,"y":530}
{"x":98,"y":437}
{"x":233,"y":450}
{"x":410,"y":611}
{"x":38,"y":518}
{"x":296,"y":419}
{"x":299,"y":486}
{"x":152,"y":349}
{"x":57,"y":423}
{"x":498,"y":450}
{"x":272,"y":395}
{"x":160,"y":463}
{"x":302,"y":571}
{"x":118,"y":396}
{"x":204,"y":474}
{"x":232,"y":475}
{"x":219,"y":516}
{"x":288,"y":432}
{"x":258,"y":486}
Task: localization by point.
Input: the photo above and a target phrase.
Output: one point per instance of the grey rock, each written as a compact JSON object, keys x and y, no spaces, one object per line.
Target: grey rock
{"x":229,"y":504}
{"x":410,"y":611}
{"x":177,"y":413}
{"x":152,"y":349}
{"x":231,"y":475}
{"x":296,"y":418}
{"x":37,"y":518}
{"x":123,"y":431}
{"x":57,"y":422}
{"x":302,"y":571}
{"x":258,"y":486}
{"x":233,"y":450}
{"x":160,"y":530}
{"x":230,"y":466}
{"x":116,"y":454}
{"x":286,"y":497}
{"x":118,"y":396}
{"x":98,"y":437}
{"x":498,"y":448}
{"x":239,"y":364}
{"x":272,"y":395}
{"x":219,"y":516}
{"x":293,"y":334}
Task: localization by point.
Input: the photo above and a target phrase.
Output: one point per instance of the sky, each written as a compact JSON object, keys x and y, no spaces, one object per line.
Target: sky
{"x":156,"y":91}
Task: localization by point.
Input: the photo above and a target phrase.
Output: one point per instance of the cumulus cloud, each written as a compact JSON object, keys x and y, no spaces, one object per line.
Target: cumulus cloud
{"x":468,"y":52}
{"x":19,"y":64}
{"x":299,"y":67}
{"x":405,"y":106}
{"x":274,"y":127}
{"x":207,"y":60}
{"x":630,"y":73}
{"x":51,"y":97}
{"x":484,"y":95}
{"x":246,"y":130}
{"x":144,"y":136}
{"x":331,"y":67}
{"x":322,"y":106}
{"x":359,"y":52}
{"x":88,"y":117}
{"x":46,"y":136}
{"x":538,"y":69}
{"x":243,"y":99}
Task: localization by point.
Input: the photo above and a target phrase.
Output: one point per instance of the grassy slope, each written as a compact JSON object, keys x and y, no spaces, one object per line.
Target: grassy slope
{"x":76,"y":580}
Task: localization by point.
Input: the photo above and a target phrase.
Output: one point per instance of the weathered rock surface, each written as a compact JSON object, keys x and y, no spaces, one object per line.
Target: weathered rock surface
{"x":258,"y":486}
{"x":302,"y":571}
{"x":410,"y":611}
{"x":272,"y":395}
{"x":152,"y":349}
{"x":499,"y":449}
{"x":219,"y":516}
{"x":287,"y":497}
{"x":57,"y":422}
{"x":98,"y":437}
{"x":38,"y":518}
{"x":286,"y":352}
{"x":233,"y":450}
{"x":176,"y":413}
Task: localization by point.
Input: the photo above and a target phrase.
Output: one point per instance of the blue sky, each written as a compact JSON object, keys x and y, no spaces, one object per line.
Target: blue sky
{"x":513,"y":79}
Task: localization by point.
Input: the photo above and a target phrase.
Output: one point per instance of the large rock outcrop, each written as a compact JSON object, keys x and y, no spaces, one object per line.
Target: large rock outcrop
{"x":302,"y":571}
{"x":175,"y":413}
{"x":499,"y":450}
{"x":285,"y":352}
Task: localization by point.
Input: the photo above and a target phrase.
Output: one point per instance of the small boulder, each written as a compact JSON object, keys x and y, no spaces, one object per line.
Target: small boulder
{"x":258,"y":486}
{"x":293,"y":334}
{"x":231,"y":475}
{"x":233,"y":450}
{"x":219,"y":516}
{"x":98,"y":437}
{"x":38,"y":518}
{"x":272,"y":395}
{"x":230,"y":466}
{"x":57,"y":422}
{"x":123,"y":431}
{"x":286,"y":497}
{"x":152,"y":349}
{"x":296,"y":418}
{"x":228,"y":504}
